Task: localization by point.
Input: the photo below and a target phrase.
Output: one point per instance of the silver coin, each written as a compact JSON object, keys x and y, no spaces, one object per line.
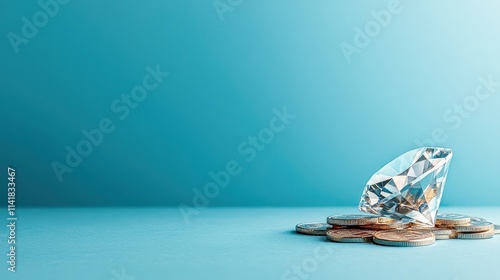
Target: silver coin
{"x":442,"y":236}
{"x":315,"y":228}
{"x":404,"y":238}
{"x":497,"y":229}
{"x":476,"y":235}
{"x":477,"y":219}
{"x":474,"y":226}
{"x":352,"y":219}
{"x":452,"y":219}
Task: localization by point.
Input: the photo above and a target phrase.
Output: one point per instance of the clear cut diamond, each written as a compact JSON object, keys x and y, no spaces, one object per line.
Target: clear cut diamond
{"x":410,"y":187}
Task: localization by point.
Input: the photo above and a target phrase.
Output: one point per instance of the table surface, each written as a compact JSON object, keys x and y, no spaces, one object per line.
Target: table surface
{"x":226,"y":243}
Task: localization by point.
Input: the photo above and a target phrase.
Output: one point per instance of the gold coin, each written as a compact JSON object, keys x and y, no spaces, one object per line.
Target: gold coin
{"x":446,"y":236}
{"x":338,"y":226}
{"x":436,"y":230}
{"x":474,"y":226}
{"x":447,"y":226}
{"x":452,"y":219}
{"x":315,"y":228}
{"x":387,"y":226}
{"x":404,"y":238}
{"x":352,"y":219}
{"x":385,"y":220}
{"x":476,"y":235}
{"x":350,"y":235}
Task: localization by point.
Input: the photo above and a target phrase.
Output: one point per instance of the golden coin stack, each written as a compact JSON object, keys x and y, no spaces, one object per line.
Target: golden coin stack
{"x":356,"y":228}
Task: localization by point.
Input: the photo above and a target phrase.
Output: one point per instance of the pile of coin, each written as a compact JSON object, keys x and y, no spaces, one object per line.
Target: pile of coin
{"x":386,"y":231}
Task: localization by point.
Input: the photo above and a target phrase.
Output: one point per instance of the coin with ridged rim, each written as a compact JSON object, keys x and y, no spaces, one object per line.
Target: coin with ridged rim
{"x":474,"y":227}
{"x":404,"y":238}
{"x":314,"y":228}
{"x":451,"y":219}
{"x":476,"y":235}
{"x":350,"y":235}
{"x":497,"y":229}
{"x":352,"y":219}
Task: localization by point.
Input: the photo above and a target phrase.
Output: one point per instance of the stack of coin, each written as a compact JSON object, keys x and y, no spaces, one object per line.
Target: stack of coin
{"x":355,"y":228}
{"x":465,"y":227}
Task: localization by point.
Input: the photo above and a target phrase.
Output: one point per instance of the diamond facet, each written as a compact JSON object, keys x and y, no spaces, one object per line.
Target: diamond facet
{"x":410,"y":187}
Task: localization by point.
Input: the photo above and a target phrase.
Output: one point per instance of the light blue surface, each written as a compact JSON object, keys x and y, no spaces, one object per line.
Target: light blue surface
{"x":226,"y":243}
{"x":226,"y":77}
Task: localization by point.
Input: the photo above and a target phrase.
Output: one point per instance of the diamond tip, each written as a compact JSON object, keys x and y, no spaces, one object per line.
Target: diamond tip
{"x":440,"y":151}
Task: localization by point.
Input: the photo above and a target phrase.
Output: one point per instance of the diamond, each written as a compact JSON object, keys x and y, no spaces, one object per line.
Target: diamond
{"x":410,"y":187}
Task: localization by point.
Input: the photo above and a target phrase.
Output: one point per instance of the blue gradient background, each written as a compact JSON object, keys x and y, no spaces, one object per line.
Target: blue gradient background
{"x":225,"y":79}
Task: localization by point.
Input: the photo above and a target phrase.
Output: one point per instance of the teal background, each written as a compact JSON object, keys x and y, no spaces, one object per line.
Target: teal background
{"x":226,"y":77}
{"x":155,"y":243}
